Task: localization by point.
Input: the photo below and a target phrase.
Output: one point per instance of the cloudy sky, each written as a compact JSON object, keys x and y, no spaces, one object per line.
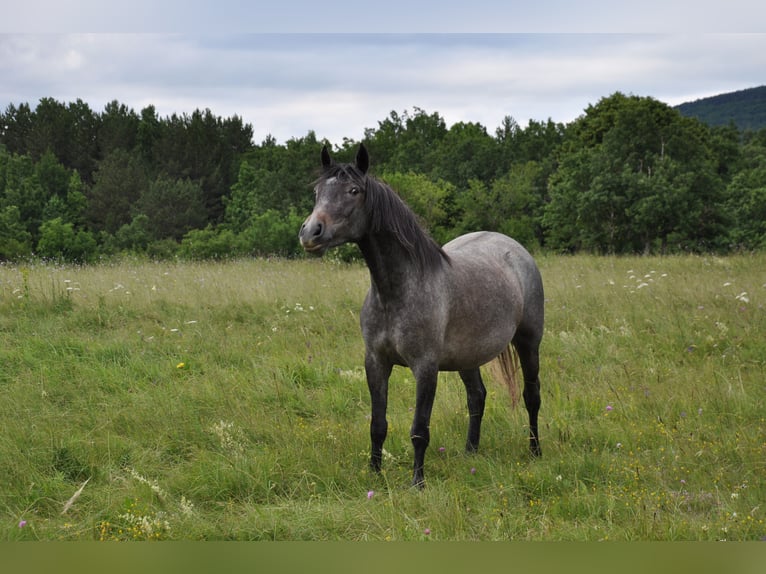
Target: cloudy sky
{"x":330,"y":68}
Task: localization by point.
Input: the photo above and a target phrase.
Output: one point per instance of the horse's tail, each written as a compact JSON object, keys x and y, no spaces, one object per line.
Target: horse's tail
{"x":504,"y":368}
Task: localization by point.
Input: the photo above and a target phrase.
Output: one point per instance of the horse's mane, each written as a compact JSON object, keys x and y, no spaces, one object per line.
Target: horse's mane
{"x":388,"y":212}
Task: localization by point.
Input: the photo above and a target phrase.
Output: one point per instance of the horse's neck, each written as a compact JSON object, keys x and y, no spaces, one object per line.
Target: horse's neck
{"x":391,"y":266}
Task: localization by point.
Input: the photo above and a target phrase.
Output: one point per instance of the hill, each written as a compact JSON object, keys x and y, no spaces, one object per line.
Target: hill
{"x":745,"y":108}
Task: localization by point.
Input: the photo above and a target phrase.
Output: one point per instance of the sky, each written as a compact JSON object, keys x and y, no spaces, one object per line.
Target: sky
{"x":338,"y":68}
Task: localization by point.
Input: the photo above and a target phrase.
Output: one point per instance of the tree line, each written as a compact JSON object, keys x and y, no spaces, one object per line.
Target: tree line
{"x":630,"y":175}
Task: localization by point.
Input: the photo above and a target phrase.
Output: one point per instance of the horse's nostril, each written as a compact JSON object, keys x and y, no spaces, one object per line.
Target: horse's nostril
{"x":318,"y":229}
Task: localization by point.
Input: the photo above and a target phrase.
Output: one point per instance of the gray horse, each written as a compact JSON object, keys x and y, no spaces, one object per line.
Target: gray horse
{"x":429,"y":308}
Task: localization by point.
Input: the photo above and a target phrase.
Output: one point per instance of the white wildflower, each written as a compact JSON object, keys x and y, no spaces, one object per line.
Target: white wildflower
{"x":153,"y":484}
{"x":743,"y":297}
{"x":186,"y":506}
{"x":229,"y":437}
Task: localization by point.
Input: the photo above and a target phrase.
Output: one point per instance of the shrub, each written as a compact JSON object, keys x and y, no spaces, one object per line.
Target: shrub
{"x":273,"y":233}
{"x":211,"y":243}
{"x":59,"y":240}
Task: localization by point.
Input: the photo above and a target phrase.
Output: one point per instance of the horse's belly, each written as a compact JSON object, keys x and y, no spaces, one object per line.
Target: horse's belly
{"x":468,"y":349}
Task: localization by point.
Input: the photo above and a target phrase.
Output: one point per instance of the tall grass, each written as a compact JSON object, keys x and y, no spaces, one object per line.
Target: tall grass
{"x":228,"y":401}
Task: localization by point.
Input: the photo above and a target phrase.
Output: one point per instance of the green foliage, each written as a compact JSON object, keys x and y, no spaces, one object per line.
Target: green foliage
{"x":22,"y":189}
{"x":631,"y":175}
{"x":748,"y":206}
{"x":465,"y":153}
{"x":273,"y":232}
{"x":510,"y":205}
{"x":639,"y":178}
{"x":407,"y":142}
{"x":745,"y":109}
{"x":431,"y":201}
{"x":118,"y":184}
{"x":210,"y":243}
{"x":134,"y":236}
{"x":61,"y":241}
{"x":15,"y":240}
{"x":173,"y":207}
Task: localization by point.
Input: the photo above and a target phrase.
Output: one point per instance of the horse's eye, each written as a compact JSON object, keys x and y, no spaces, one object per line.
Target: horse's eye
{"x":354,"y":190}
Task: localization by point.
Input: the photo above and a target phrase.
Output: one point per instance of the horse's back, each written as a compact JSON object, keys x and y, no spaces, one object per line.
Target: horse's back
{"x":501,"y":260}
{"x":489,"y":249}
{"x":486,"y":243}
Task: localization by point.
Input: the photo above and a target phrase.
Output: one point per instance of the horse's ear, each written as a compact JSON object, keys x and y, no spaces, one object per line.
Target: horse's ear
{"x":326,"y":159}
{"x":362,"y":159}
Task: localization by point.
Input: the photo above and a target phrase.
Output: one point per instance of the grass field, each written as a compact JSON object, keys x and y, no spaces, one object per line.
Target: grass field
{"x":227,"y":401}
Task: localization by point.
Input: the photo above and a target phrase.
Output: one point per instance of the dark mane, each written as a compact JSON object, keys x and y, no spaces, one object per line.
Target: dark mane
{"x":388,"y":212}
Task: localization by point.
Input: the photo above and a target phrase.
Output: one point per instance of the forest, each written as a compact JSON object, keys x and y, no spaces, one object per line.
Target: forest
{"x":631,"y":175}
{"x":744,"y":108}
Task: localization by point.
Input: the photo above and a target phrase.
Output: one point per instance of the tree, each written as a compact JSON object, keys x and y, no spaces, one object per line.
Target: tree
{"x":147,"y":133}
{"x":52,"y":176}
{"x":118,"y":129}
{"x":22,"y":190}
{"x":537,"y":142}
{"x":16,"y":128}
{"x":81,"y":153}
{"x":464,"y":153}
{"x":60,"y":240}
{"x":15,"y":240}
{"x":407,"y":142}
{"x":211,"y":243}
{"x":118,"y":184}
{"x":50,"y":130}
{"x":134,"y":236}
{"x":431,"y":201}
{"x":273,"y":177}
{"x":510,"y":205}
{"x":203,"y":148}
{"x":746,"y":198}
{"x":173,"y":207}
{"x":635,"y":176}
{"x":273,"y":233}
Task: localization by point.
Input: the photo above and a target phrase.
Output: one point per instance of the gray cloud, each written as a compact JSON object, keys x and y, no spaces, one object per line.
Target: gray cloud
{"x":338,"y":85}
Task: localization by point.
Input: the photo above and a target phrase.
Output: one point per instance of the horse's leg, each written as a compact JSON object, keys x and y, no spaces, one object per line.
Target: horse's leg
{"x":476,"y":393}
{"x":378,"y":373}
{"x":529,"y":357}
{"x":420,"y":434}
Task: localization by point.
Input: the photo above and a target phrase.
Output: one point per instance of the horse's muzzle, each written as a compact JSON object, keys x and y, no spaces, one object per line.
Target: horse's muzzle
{"x":312,"y":237}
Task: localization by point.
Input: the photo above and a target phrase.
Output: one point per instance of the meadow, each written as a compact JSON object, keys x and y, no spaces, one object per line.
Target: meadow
{"x":227,"y":401}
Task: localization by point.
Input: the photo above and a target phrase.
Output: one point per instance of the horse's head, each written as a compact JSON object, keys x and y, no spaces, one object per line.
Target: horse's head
{"x":339,"y":214}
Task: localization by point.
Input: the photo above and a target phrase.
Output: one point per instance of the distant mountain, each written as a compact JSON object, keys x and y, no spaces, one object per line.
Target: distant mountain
{"x":746,"y":108}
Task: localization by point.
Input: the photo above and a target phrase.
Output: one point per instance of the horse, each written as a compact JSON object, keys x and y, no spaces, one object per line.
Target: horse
{"x":429,"y":308}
